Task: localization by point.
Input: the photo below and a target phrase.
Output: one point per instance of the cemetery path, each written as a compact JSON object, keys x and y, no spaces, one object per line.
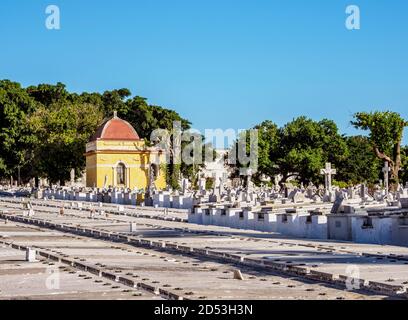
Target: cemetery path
{"x":176,"y":254}
{"x":155,"y":221}
{"x":96,"y":269}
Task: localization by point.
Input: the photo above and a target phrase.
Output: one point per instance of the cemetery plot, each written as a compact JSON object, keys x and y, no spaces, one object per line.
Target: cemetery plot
{"x":47,"y":279}
{"x":326,"y":261}
{"x":185,"y":276}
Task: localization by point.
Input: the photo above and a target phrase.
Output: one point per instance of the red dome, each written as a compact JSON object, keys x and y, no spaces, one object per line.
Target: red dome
{"x":115,"y":129}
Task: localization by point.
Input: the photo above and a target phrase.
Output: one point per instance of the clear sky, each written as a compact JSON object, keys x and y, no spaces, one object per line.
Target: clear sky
{"x":220,"y":63}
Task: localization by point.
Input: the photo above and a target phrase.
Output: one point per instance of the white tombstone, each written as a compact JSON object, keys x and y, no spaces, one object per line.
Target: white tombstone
{"x":31,"y":212}
{"x":351,"y":193}
{"x":30,"y":255}
{"x":133,"y":226}
{"x":328,"y":172}
{"x":386,"y":171}
{"x":72,"y":176}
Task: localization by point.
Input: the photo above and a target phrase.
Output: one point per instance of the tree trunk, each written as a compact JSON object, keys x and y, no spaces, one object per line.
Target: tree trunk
{"x":283,"y":181}
{"x":396,"y":167}
{"x":394,"y":163}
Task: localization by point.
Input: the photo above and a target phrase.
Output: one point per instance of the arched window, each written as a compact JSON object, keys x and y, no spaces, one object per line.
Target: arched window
{"x":121,"y":173}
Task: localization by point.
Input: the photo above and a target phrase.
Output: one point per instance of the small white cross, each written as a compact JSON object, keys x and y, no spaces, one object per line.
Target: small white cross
{"x":328,"y":172}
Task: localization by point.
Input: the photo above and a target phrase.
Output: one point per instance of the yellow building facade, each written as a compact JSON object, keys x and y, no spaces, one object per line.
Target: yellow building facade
{"x":117,"y":157}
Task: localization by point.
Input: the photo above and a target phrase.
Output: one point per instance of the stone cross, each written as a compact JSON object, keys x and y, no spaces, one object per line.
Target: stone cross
{"x":386,"y":170}
{"x":328,"y":172}
{"x":221,"y":186}
{"x":72,"y":176}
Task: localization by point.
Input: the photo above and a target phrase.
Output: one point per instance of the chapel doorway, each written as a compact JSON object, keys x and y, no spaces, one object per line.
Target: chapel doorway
{"x":121,"y":175}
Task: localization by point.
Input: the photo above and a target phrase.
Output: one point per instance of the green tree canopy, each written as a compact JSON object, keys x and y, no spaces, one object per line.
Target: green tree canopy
{"x":386,"y":130}
{"x":298,"y":150}
{"x":404,"y":164}
{"x":145,"y":118}
{"x":48,"y":94}
{"x":60,"y":133}
{"x":305,"y":146}
{"x":361,"y":164}
{"x":44,"y":128}
{"x":15,"y":106}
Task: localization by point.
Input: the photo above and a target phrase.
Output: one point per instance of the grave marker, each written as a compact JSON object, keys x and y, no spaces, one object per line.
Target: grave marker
{"x":386,"y":171}
{"x":328,"y":172}
{"x":30,"y":255}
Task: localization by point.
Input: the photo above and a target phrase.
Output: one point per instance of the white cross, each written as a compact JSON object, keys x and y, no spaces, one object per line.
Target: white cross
{"x":328,"y":172}
{"x":386,"y":170}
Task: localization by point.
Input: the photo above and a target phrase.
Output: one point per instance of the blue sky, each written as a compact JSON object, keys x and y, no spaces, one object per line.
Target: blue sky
{"x":220,"y":63}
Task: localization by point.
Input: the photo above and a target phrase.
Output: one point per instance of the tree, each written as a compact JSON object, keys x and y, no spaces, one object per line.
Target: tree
{"x":386,"y":130}
{"x":298,"y":150}
{"x":60,"y":133}
{"x":48,"y":94}
{"x":404,"y":164}
{"x":304,"y":147}
{"x":268,"y":143}
{"x":115,"y":101}
{"x":146,"y":118}
{"x":44,"y":128}
{"x":361,"y":164}
{"x":15,"y":149}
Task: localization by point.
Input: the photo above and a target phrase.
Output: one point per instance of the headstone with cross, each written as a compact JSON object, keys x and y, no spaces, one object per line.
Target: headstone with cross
{"x":328,"y":172}
{"x":386,"y":170}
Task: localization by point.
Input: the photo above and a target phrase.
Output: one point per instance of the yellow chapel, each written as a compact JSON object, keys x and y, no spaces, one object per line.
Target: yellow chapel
{"x":117,"y":157}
